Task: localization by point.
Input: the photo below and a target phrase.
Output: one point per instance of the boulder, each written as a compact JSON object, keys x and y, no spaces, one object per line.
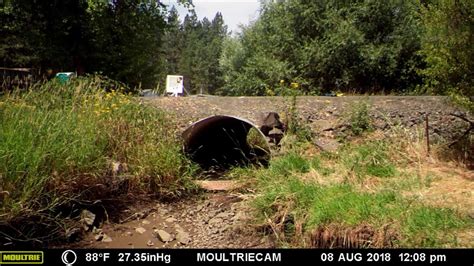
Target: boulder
{"x":271,"y":121}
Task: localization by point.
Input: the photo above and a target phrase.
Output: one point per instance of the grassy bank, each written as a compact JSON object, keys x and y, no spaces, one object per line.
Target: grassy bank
{"x":84,"y":140}
{"x":367,"y":194}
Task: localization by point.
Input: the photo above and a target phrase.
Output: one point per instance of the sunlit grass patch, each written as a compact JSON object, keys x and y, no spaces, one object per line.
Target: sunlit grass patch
{"x":369,"y":159}
{"x":314,"y":206}
{"x":357,"y":192}
{"x":290,"y":163}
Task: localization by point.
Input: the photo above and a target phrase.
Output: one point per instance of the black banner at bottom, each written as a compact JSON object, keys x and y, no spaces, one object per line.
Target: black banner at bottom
{"x":86,"y":257}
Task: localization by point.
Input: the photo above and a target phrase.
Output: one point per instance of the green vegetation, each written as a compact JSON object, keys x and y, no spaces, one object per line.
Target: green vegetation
{"x":321,"y":206}
{"x":299,"y":194}
{"x":317,"y":165}
{"x":363,"y":46}
{"x":319,"y":46}
{"x":368,"y":159}
{"x":294,"y":124}
{"x":62,"y":142}
{"x":447,"y":49}
{"x":138,"y":42}
{"x":197,"y":46}
{"x":291,"y":163}
{"x":359,"y":118}
{"x":88,"y":139}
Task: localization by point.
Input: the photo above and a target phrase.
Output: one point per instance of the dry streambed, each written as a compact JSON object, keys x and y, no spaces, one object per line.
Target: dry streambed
{"x":214,"y":220}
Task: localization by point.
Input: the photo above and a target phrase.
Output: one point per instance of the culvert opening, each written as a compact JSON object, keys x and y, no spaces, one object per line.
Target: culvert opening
{"x":221,"y":142}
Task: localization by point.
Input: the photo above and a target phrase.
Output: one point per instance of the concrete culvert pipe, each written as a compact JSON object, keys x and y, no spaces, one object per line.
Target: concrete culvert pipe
{"x":224,"y":141}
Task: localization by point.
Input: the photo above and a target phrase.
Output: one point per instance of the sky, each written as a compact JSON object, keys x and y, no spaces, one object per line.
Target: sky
{"x":234,"y":12}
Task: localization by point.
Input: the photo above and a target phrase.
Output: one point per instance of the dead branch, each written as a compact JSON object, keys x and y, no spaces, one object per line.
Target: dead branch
{"x":471,"y":128}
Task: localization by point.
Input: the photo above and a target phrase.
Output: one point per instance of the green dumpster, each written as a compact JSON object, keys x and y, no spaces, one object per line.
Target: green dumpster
{"x":64,"y":77}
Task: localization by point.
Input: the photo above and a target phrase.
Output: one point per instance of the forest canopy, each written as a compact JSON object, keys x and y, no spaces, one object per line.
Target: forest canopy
{"x":361,"y":46}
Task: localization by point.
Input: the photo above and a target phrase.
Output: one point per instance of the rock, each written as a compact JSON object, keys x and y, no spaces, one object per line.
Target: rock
{"x":129,"y":234}
{"x":170,"y":220}
{"x":275,"y":131}
{"x":116,"y":167}
{"x":329,"y":145}
{"x":471,"y":215}
{"x":217,"y":185}
{"x":275,"y":135}
{"x":145,"y":222}
{"x":87,"y":219}
{"x":216,"y":221}
{"x":140,"y":230}
{"x":223,"y":229}
{"x":106,"y":239}
{"x":212,"y":213}
{"x":150,"y":243}
{"x":163,"y":236}
{"x":323,"y":125}
{"x":240,"y":216}
{"x":271,"y":121}
{"x":200,"y":207}
{"x":140,"y":215}
{"x":222,"y":215}
{"x":183,"y":237}
{"x":383,"y":125}
{"x":99,"y":237}
{"x":178,"y":227}
{"x":72,"y":234}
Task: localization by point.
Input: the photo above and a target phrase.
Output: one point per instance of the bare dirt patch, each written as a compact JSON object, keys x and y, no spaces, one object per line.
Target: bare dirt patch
{"x":215,"y":220}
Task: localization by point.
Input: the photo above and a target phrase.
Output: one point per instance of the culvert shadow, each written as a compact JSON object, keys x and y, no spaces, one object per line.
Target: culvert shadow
{"x":220,"y":142}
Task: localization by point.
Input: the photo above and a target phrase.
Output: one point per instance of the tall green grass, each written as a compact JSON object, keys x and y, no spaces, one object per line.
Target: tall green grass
{"x":57,"y":141}
{"x":285,"y":194}
{"x":368,"y":159}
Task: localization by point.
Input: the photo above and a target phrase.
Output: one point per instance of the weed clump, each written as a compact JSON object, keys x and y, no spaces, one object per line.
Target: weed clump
{"x":295,"y":126}
{"x":359,"y":118}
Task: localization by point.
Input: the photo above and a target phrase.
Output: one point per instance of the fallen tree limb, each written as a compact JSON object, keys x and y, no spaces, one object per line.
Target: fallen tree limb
{"x":471,"y":128}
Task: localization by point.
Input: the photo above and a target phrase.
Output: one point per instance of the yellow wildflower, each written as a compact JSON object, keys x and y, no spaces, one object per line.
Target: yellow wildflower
{"x":270,"y":92}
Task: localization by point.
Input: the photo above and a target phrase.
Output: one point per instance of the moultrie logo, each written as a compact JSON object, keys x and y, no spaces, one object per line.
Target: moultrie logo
{"x":21,"y":257}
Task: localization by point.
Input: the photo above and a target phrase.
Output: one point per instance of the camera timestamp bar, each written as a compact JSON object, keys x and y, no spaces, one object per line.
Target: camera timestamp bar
{"x":291,"y":257}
